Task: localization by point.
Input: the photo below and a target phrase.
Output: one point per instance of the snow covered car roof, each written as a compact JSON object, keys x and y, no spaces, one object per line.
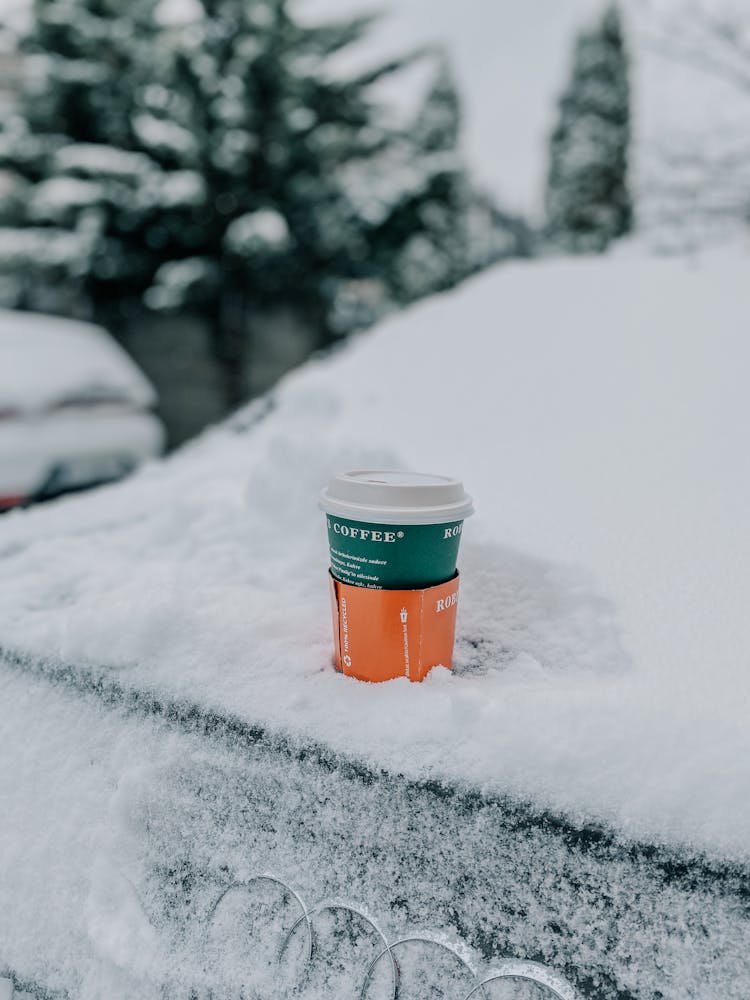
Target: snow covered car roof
{"x":597,"y":412}
{"x":47,"y":361}
{"x":167,"y":689}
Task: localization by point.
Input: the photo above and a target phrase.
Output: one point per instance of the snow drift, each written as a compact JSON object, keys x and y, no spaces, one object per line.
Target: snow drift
{"x":596,"y":410}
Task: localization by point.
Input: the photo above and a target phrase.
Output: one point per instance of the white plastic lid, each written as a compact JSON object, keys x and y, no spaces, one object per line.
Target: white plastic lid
{"x":395,"y":497}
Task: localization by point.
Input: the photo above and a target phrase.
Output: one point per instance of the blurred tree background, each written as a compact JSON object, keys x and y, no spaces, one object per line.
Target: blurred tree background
{"x":227,"y":194}
{"x":588,"y":199}
{"x":221,"y":199}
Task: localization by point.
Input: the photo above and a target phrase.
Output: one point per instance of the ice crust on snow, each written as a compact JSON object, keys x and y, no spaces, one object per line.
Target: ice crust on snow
{"x":597,"y":413}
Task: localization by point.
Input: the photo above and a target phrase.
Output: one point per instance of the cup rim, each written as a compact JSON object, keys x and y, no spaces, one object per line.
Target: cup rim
{"x":396,"y":496}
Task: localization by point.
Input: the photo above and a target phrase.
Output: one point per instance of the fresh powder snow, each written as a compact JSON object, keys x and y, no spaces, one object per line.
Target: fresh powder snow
{"x":173,"y":728}
{"x":596,"y":410}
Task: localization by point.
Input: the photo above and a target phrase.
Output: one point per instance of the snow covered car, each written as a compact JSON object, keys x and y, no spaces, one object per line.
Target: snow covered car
{"x":196,"y":803}
{"x":75,"y":411}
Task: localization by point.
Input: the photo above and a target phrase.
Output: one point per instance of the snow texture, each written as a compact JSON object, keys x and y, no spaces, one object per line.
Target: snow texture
{"x":173,"y":863}
{"x":168,"y":694}
{"x":596,"y":412}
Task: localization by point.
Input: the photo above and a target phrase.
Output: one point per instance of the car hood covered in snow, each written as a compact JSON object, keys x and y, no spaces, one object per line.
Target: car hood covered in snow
{"x":597,"y":412}
{"x":576,"y":790}
{"x":46,"y":361}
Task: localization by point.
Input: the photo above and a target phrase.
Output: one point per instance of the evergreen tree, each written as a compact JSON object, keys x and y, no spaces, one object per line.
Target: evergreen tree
{"x":438,"y":124}
{"x":588,"y":202}
{"x":87,"y":62}
{"x":455,"y":227}
{"x":312,"y":189}
{"x":100,"y":210}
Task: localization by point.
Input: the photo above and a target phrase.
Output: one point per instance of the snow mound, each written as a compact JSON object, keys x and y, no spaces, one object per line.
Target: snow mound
{"x":596,"y":411}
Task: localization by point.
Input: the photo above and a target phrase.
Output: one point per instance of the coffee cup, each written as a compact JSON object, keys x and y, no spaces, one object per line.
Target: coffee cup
{"x":394,"y":530}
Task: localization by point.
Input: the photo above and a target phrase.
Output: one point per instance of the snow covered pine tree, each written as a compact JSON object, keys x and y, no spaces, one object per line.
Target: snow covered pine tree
{"x":587,"y":201}
{"x":316,"y":198}
{"x":99,"y":212}
{"x":217,"y":163}
{"x":441,"y":227}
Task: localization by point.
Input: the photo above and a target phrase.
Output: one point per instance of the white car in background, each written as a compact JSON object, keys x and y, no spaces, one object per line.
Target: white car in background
{"x":75,"y":411}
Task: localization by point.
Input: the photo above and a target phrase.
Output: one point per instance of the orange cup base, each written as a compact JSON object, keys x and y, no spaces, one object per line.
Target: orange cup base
{"x":382,"y":634}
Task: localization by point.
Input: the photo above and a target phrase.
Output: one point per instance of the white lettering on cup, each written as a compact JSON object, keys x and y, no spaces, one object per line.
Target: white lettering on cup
{"x":452,"y":532}
{"x":366,"y":534}
{"x":447,"y":602}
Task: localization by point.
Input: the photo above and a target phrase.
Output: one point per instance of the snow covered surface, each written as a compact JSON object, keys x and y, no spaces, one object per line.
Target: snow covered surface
{"x":598,"y":413}
{"x":76,"y":447}
{"x":47,"y":361}
{"x":74,"y":407}
{"x":133,"y":870}
{"x":56,"y":795}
